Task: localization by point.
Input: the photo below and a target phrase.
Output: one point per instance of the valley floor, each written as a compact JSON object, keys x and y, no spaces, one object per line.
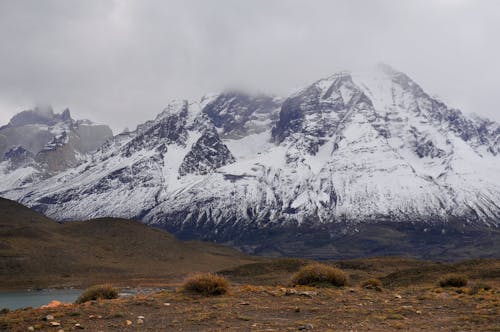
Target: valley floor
{"x":268,"y":308}
{"x":261,"y":298}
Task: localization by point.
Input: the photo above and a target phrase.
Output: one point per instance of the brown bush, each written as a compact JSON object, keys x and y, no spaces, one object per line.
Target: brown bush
{"x":453,"y":280}
{"x":105,"y":292}
{"x":320,"y":275}
{"x":207,"y":284}
{"x":372,"y":283}
{"x":479,"y":288}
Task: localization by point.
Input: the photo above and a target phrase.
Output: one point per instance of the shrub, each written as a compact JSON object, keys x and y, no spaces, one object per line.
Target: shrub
{"x":453,"y":280}
{"x":105,"y":292}
{"x":320,"y":275}
{"x":372,"y":283}
{"x":484,"y":287}
{"x":207,"y":284}
{"x":479,"y":287}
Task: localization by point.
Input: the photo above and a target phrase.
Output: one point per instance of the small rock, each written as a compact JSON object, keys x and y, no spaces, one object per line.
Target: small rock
{"x":140,"y":322}
{"x":61,"y":330}
{"x":49,"y":317}
{"x":244,"y":303}
{"x":55,"y":324}
{"x":79,"y":326}
{"x":166,"y":304}
{"x":443,"y":296}
{"x":297,"y":309}
{"x":292,"y":291}
{"x":306,"y":327}
{"x":31,"y":328}
{"x":352,"y":290}
{"x":398,"y":296}
{"x":128,"y":322}
{"x":141,"y":317}
{"x":53,"y":304}
{"x":308,"y":293}
{"x":418,"y":312}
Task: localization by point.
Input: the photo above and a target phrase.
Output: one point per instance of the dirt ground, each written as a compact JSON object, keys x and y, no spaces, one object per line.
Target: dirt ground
{"x":273,"y":308}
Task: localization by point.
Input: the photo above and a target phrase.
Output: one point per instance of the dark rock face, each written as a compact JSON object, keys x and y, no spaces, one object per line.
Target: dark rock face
{"x":57,"y":142}
{"x":18,"y":156}
{"x":290,"y":119}
{"x":312,"y":101}
{"x":424,"y":146}
{"x":235,"y":112}
{"x":167,"y":130}
{"x":428,"y":149}
{"x":316,"y":114}
{"x":206,"y":155}
{"x":489,"y":134}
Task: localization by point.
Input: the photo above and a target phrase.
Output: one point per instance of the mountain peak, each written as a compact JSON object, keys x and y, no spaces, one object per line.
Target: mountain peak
{"x":237,"y":114}
{"x":175,"y":106}
{"x":355,"y":148}
{"x":41,"y":114}
{"x":66,"y":115}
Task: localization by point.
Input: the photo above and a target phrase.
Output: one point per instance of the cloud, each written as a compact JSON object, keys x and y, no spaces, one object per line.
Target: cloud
{"x":120,"y":62}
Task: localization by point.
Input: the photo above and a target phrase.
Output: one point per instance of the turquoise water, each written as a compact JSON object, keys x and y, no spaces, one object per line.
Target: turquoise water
{"x":21,"y":299}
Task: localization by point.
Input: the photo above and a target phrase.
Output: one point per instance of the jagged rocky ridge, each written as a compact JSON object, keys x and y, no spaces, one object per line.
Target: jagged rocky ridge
{"x":37,"y":144}
{"x":349,"y":151}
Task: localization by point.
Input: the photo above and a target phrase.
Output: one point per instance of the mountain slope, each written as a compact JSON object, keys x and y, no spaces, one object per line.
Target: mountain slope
{"x":38,"y":143}
{"x":38,"y":251}
{"x":349,"y":152}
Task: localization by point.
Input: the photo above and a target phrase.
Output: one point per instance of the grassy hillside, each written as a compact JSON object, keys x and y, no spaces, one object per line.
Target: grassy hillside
{"x":36,"y":251}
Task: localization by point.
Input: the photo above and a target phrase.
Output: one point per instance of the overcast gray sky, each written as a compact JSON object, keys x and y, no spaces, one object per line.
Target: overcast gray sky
{"x":120,"y":62}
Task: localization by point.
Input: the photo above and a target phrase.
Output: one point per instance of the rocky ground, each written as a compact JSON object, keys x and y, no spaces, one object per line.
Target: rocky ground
{"x":261,"y":298}
{"x":276,"y":308}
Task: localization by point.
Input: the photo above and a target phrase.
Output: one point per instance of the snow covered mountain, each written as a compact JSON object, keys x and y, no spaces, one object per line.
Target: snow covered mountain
{"x":38,"y":143}
{"x":355,"y":153}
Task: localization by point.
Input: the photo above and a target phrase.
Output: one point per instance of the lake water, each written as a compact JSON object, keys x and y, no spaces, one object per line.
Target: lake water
{"x":21,"y":299}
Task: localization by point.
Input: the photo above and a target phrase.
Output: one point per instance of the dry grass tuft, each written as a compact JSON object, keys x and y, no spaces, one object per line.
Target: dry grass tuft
{"x":372,"y":283}
{"x":480,"y":287}
{"x":453,"y":280}
{"x":207,"y":284}
{"x":320,"y":275}
{"x":98,"y":292}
